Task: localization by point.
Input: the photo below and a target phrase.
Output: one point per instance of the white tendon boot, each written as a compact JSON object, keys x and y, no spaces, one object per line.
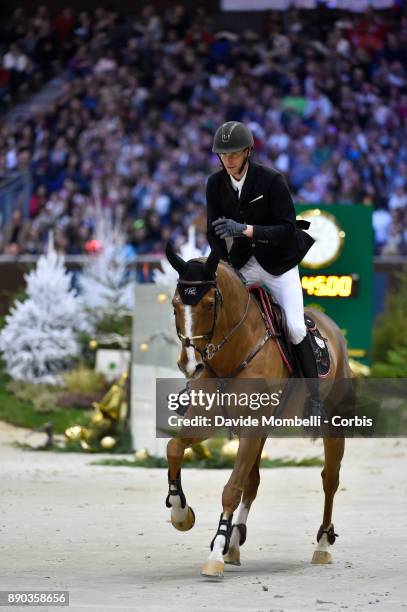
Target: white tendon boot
{"x":238,"y":537}
{"x":214,"y":566}
{"x":182,"y":515}
{"x":325,"y":538}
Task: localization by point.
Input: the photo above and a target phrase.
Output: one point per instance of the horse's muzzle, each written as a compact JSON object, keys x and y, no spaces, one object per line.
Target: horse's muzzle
{"x":198,"y":369}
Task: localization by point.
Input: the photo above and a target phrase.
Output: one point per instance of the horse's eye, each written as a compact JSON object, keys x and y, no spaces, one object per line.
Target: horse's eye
{"x":210,"y":305}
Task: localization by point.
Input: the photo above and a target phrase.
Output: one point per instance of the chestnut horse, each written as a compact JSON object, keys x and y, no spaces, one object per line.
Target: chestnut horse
{"x":220,"y":330}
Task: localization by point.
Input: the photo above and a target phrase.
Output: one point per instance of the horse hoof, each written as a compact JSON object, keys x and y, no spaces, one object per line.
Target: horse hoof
{"x":187,"y":523}
{"x":232,"y":556}
{"x":212,"y":569}
{"x":321,"y":557}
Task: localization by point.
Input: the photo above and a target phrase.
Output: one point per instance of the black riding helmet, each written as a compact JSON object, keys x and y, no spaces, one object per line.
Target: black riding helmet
{"x":231,"y":137}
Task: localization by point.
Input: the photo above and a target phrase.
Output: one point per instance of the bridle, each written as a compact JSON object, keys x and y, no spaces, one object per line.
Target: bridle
{"x":210,"y":349}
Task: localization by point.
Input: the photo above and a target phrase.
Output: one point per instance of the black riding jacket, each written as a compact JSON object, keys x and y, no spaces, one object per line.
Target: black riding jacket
{"x":265,"y":202}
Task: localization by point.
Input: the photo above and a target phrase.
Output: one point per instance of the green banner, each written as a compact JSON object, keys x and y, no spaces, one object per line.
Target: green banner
{"x":337,"y":272}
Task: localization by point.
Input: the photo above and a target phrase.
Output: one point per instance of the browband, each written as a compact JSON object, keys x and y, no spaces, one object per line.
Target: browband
{"x":191,"y":292}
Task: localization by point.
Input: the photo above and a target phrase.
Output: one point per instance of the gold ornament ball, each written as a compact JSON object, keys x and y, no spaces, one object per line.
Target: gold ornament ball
{"x":74,"y":433}
{"x":229,"y":449}
{"x":359,"y":369}
{"x":97,"y":418}
{"x":201,"y":451}
{"x":93,"y":344}
{"x":189,"y":454}
{"x":107,"y":442}
{"x":161,"y":298}
{"x":143,"y":347}
{"x":264,"y":455}
{"x":141,"y":454}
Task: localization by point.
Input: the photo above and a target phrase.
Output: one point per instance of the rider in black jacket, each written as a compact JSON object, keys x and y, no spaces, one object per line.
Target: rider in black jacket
{"x":252,"y":205}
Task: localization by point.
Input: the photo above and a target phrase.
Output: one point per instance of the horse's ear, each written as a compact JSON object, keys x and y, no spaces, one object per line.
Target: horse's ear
{"x":212,"y":262}
{"x":175,"y":260}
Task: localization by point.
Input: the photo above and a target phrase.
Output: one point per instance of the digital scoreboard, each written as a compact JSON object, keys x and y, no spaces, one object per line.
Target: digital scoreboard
{"x":331,"y":285}
{"x":337,"y":272}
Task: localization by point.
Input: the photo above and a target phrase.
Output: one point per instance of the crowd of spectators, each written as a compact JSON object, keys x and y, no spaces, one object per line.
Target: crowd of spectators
{"x":325,"y":95}
{"x":35,"y":47}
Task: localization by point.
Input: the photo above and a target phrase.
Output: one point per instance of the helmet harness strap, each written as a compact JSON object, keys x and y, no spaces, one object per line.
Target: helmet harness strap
{"x":243,"y":163}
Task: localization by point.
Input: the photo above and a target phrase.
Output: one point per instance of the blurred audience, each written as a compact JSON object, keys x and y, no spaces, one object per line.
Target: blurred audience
{"x":325,"y":94}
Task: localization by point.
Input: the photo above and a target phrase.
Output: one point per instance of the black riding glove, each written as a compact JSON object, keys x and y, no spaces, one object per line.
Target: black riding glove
{"x":227,"y":228}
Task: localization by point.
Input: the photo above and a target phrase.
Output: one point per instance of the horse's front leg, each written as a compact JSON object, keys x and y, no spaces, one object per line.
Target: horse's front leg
{"x":239,"y":530}
{"x":232,"y":494}
{"x":334,"y":448}
{"x":182,"y":515}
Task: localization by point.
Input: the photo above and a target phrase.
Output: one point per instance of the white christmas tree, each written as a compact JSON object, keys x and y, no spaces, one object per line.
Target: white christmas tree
{"x":168,"y":276}
{"x":105,"y":287}
{"x":40,"y":338}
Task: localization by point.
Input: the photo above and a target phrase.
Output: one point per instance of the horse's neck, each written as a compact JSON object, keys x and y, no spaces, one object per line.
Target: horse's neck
{"x":234,"y":294}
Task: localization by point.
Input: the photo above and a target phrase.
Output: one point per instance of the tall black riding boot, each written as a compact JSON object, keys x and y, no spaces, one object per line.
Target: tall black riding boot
{"x":306,"y":358}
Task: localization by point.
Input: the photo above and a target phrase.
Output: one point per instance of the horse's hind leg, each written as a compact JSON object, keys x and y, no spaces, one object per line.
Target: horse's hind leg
{"x":182,"y":515}
{"x":232,"y":494}
{"x":239,"y":530}
{"x":334,"y":448}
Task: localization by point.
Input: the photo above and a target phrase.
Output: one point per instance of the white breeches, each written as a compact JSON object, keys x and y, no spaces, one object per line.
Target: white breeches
{"x":287,"y":291}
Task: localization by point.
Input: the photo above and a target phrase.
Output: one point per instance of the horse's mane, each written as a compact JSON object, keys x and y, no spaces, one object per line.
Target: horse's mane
{"x":231,"y":270}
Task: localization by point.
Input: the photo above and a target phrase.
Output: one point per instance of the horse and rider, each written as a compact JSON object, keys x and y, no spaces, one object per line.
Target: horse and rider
{"x":222,"y":331}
